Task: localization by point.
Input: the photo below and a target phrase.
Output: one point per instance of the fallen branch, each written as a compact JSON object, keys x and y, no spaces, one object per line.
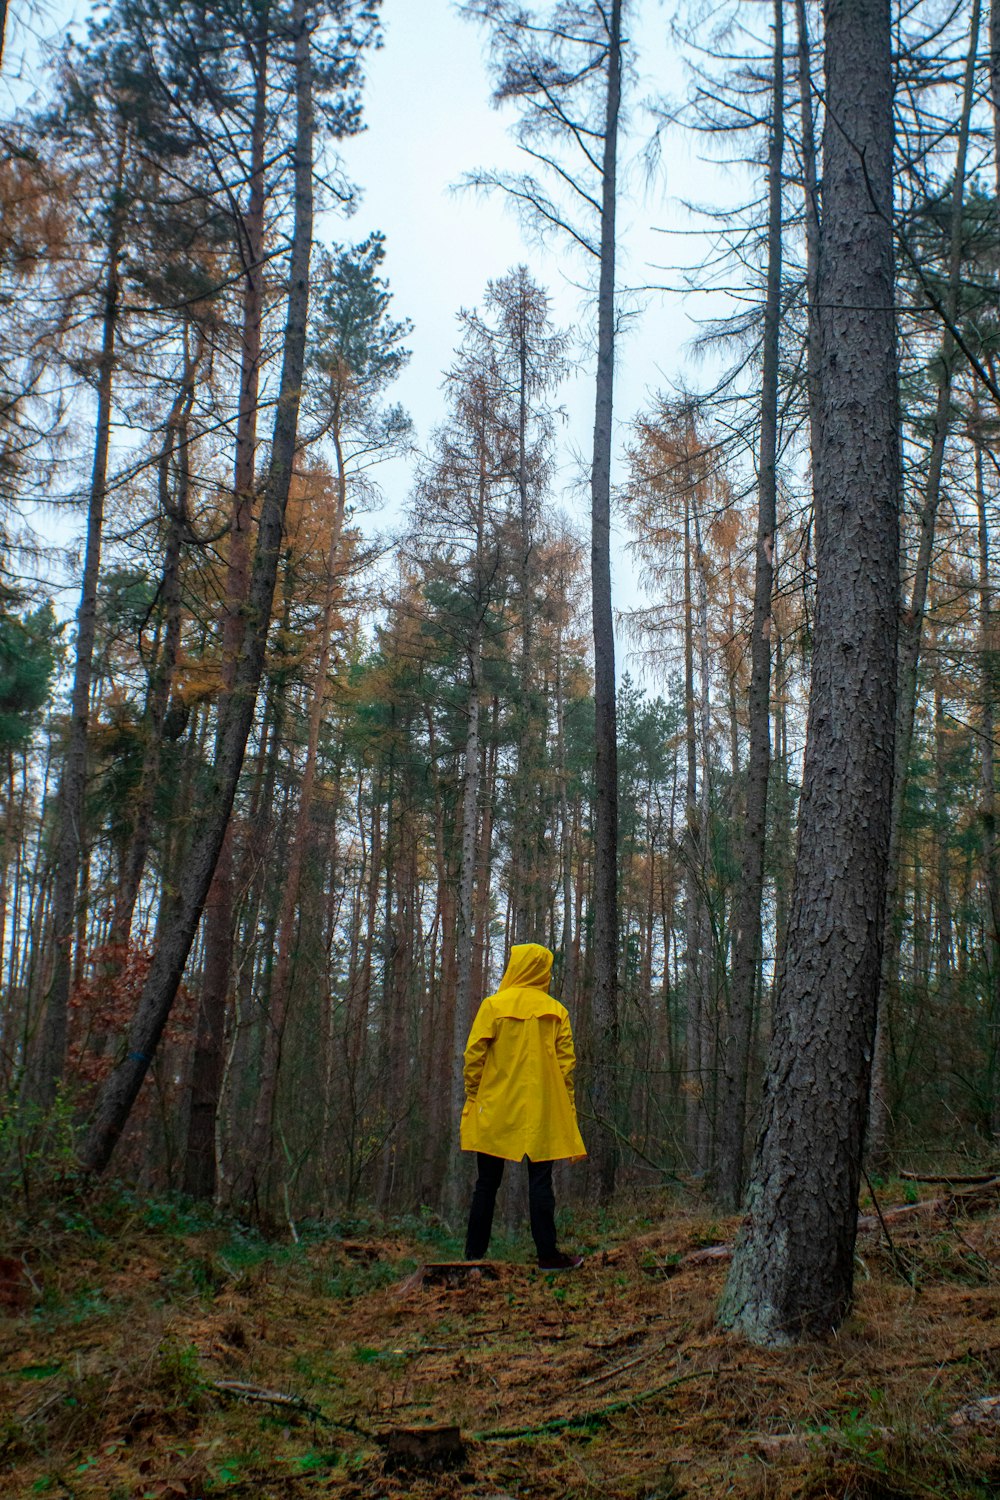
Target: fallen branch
{"x":587,"y":1418}
{"x":980,"y":1195}
{"x":985,"y":1409}
{"x":239,"y":1390}
{"x":944,"y":1177}
{"x":708,"y":1255}
{"x":626,"y":1336}
{"x":926,"y":1209}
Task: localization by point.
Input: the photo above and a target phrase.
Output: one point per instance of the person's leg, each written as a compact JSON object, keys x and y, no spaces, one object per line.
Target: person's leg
{"x":542,"y":1208}
{"x":477,"y":1236}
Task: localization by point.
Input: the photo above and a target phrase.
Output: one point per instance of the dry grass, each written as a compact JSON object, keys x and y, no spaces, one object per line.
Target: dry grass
{"x":611,"y":1382}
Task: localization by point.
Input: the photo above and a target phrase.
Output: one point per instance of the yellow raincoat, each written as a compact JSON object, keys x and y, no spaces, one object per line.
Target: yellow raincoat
{"x":519,"y":1063}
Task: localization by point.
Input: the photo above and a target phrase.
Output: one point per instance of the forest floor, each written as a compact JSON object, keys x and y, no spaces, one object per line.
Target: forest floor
{"x":129,"y":1327}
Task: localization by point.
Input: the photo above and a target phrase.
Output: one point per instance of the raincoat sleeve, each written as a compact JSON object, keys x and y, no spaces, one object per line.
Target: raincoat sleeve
{"x":482,"y":1033}
{"x":566,"y":1057}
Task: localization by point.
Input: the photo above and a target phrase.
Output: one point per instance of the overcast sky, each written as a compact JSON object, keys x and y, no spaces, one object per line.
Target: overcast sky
{"x":430,"y":120}
{"x":429,"y":116}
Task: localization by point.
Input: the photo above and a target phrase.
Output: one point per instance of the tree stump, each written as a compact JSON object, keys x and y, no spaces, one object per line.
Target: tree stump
{"x":449,"y":1273}
{"x":424,"y":1447}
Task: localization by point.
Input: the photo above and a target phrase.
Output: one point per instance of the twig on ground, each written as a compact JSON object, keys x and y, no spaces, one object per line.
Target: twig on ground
{"x":988,"y":1267}
{"x":28,"y":1273}
{"x":37,"y":1412}
{"x":618,"y":1369}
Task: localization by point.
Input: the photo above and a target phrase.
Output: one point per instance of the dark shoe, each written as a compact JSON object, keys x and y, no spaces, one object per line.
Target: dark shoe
{"x":560,"y":1262}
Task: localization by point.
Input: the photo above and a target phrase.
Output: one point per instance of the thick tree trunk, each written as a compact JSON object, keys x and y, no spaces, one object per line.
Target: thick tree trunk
{"x":50,"y":1056}
{"x":236,"y":711}
{"x":743,"y":984}
{"x":792,"y":1271}
{"x":604,"y":1055}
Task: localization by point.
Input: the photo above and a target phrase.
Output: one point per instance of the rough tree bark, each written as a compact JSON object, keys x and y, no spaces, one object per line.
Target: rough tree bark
{"x":994,"y":41}
{"x":743,"y":985}
{"x":792,"y":1272}
{"x":122,"y":1087}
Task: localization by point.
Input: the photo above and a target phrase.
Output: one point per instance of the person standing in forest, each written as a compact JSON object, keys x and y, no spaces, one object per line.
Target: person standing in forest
{"x":519,"y":1100}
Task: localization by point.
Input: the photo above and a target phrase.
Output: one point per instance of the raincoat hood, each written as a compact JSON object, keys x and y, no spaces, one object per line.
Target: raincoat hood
{"x":529,"y":967}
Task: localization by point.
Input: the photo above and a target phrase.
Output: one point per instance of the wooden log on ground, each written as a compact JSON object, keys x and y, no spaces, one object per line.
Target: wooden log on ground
{"x":708,"y":1255}
{"x":927,"y":1209}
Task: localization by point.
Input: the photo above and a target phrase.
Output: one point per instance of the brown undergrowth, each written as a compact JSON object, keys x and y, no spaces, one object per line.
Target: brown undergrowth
{"x":146,"y":1353}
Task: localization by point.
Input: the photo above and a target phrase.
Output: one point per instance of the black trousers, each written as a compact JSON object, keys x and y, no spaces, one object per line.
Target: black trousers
{"x":541,"y":1206}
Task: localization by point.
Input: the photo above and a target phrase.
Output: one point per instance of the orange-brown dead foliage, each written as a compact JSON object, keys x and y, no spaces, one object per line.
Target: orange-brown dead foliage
{"x":610,"y":1382}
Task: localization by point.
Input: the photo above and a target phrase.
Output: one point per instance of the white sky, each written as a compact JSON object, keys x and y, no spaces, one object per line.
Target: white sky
{"x":430,"y":120}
